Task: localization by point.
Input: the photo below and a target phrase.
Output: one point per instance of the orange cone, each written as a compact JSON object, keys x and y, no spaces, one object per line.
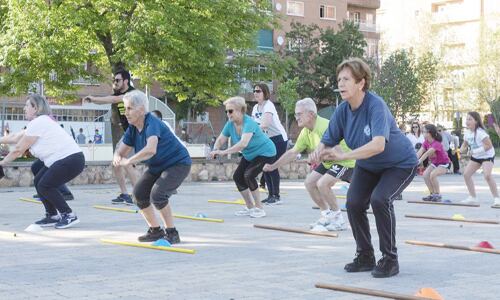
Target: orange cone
{"x":429,"y":293}
{"x":485,"y":244}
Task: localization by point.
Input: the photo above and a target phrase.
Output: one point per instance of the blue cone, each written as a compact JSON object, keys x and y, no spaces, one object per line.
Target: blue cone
{"x":162,"y":243}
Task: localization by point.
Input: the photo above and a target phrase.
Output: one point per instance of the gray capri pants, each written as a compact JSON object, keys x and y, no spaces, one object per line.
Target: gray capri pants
{"x":157,"y":189}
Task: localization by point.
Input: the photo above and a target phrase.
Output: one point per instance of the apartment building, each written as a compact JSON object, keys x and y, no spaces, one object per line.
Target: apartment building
{"x":452,"y":30}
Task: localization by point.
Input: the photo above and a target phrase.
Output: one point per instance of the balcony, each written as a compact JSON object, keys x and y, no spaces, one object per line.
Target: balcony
{"x":372,"y":4}
{"x":366,"y":27}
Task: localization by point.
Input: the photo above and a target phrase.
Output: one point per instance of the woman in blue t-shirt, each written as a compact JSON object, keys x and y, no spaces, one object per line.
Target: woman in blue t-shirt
{"x":385,"y":165}
{"x":167,"y":160}
{"x":257,"y":149}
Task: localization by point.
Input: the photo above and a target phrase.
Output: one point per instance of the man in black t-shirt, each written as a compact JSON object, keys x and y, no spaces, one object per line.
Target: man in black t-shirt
{"x":119,"y":124}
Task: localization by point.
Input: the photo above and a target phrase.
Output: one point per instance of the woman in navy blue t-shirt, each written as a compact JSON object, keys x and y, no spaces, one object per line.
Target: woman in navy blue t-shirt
{"x":385,"y":165}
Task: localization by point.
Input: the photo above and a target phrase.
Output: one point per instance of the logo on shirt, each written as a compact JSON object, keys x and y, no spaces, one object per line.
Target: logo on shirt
{"x":367,"y":130}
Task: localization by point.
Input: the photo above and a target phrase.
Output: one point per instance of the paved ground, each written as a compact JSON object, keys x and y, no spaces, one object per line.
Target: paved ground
{"x":233,"y":259}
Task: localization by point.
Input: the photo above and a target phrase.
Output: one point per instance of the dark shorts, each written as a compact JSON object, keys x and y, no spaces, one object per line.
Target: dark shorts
{"x":337,"y":171}
{"x":482,"y":160}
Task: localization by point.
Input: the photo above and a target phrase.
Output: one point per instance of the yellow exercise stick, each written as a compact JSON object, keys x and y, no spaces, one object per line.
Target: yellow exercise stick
{"x":148,"y":246}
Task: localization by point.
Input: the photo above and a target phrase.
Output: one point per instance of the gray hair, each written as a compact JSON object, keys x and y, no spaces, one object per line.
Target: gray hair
{"x":308,"y":104}
{"x":40,"y":104}
{"x":239,"y":102}
{"x":137,"y":98}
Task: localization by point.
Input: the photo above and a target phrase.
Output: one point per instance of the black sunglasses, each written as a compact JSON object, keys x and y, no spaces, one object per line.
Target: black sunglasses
{"x":229,"y":111}
{"x":257,"y":91}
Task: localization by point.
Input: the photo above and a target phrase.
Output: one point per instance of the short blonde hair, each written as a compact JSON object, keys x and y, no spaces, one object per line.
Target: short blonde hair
{"x":239,"y":102}
{"x":359,"y":69}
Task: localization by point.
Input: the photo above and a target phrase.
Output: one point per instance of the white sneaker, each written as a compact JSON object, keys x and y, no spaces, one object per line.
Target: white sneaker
{"x":496,"y":201}
{"x":323,"y":220}
{"x":243,"y":212}
{"x":319,"y":228}
{"x":469,"y":200}
{"x":337,"y":223}
{"x":257,"y":213}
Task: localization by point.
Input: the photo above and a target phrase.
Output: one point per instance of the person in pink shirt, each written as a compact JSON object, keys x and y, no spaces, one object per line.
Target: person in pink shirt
{"x":439,"y":161}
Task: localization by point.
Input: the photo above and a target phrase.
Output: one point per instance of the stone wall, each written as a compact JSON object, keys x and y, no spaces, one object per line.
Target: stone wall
{"x":19,"y":173}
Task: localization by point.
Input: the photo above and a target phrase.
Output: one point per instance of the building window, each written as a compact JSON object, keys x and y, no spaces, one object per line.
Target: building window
{"x":265,"y":40}
{"x":369,"y":19}
{"x":327,"y":12}
{"x":295,"y":8}
{"x":356,"y":17}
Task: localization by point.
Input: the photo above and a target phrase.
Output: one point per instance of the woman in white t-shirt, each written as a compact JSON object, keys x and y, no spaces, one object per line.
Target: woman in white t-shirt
{"x":62,"y":158}
{"x":482,"y":155}
{"x":265,"y":114}
{"x":415,"y":136}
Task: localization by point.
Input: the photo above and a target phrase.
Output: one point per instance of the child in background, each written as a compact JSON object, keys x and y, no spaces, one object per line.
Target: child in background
{"x":433,"y":149}
{"x":482,"y":155}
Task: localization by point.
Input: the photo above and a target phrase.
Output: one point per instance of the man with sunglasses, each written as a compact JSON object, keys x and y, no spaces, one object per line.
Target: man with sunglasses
{"x":119,"y":124}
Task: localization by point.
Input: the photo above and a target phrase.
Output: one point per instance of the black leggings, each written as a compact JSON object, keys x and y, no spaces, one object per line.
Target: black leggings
{"x":273,"y":178}
{"x":48,"y":181}
{"x":35,"y":168}
{"x":247,"y":171}
{"x":378,"y":189}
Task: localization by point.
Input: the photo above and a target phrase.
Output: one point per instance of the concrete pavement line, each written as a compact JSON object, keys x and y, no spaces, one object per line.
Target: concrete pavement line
{"x":141,"y":245}
{"x":452,"y":219}
{"x":30,"y":200}
{"x":444,"y":203}
{"x":369,"y":292}
{"x":456,"y":247}
{"x":294,"y":230}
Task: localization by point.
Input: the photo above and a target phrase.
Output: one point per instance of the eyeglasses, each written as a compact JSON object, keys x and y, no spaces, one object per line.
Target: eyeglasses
{"x":257,"y":91}
{"x":116,"y":80}
{"x":229,"y":111}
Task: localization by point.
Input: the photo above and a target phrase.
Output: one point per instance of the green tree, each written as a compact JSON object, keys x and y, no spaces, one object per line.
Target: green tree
{"x":347,"y":42}
{"x":182,"y":44}
{"x":318,"y":52}
{"x":398,"y":84}
{"x":288,"y":96}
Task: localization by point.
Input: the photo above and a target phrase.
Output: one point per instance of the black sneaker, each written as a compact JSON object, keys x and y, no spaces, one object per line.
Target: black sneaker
{"x":386,"y":267}
{"x":67,"y":220}
{"x":153,"y":234}
{"x":273,"y":200}
{"x":48,"y":221}
{"x":361,"y":263}
{"x":36,"y":196}
{"x":68,"y":197}
{"x":121,"y":199}
{"x":128,"y":199}
{"x":265,"y":201}
{"x":172,"y":236}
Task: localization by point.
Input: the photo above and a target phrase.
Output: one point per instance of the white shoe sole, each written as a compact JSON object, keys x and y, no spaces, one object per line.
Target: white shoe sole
{"x":68,"y":225}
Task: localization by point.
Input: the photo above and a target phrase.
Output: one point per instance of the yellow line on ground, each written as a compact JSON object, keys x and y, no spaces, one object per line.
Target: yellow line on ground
{"x":239,"y":202}
{"x":134,"y":211}
{"x":30,"y":200}
{"x":199,"y":219}
{"x":148,"y":246}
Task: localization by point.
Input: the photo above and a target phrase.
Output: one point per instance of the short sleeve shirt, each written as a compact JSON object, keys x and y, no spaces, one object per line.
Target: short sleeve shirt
{"x":169,"y":152}
{"x":475,"y":140}
{"x":358,"y":127}
{"x":120,"y":108}
{"x":275,"y":128}
{"x":309,"y":140}
{"x":53,"y":142}
{"x":259,"y":145}
{"x":440,"y":157}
